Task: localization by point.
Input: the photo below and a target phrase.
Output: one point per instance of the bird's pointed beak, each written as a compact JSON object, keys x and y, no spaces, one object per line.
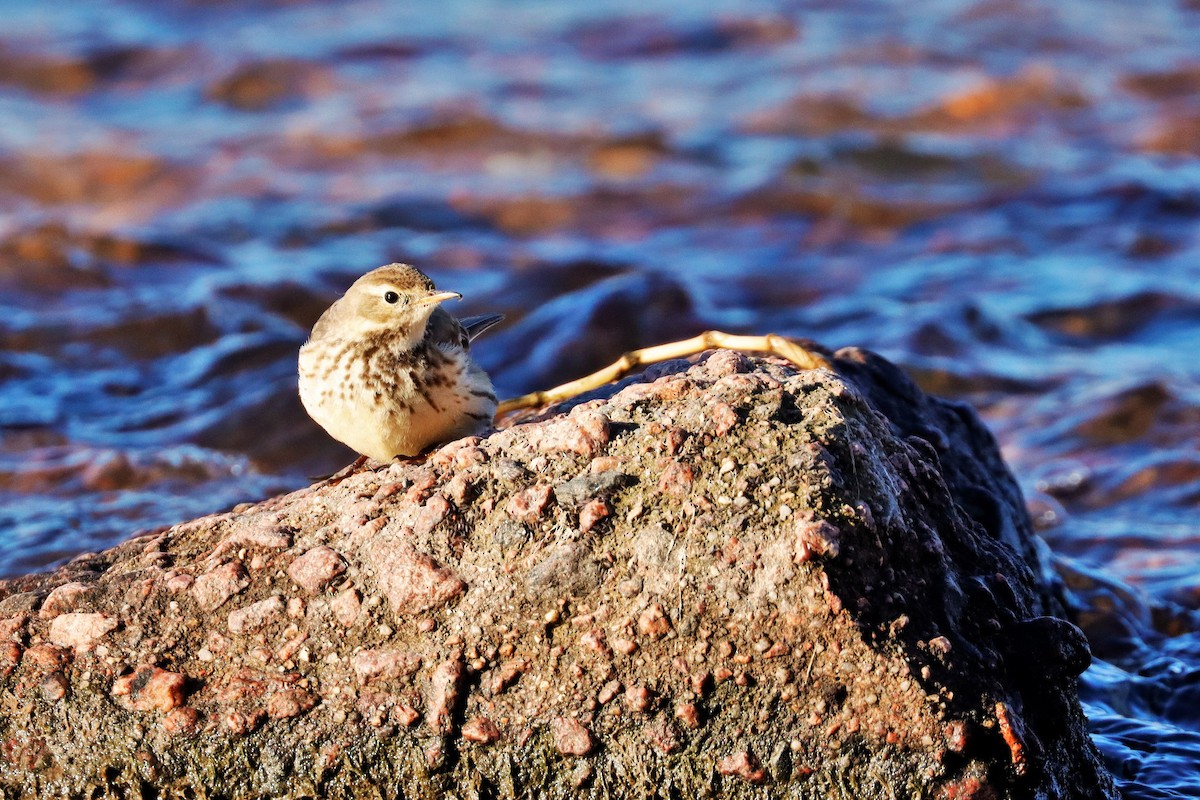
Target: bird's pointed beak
{"x":438,"y":297}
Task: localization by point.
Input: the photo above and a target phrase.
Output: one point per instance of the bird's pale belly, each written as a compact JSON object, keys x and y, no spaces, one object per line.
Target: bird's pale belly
{"x":401,"y":421}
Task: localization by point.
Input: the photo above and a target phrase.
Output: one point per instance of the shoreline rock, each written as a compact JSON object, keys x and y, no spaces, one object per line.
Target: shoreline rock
{"x":727,"y":577}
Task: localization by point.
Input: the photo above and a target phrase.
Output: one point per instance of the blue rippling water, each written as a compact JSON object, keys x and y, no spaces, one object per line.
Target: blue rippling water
{"x":1004,"y":198}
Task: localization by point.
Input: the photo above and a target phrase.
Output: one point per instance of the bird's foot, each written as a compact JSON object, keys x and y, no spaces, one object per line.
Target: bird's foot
{"x":341,"y":475}
{"x":420,"y":458}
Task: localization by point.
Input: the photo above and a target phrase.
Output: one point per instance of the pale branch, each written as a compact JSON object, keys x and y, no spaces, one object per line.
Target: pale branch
{"x":632,"y":360}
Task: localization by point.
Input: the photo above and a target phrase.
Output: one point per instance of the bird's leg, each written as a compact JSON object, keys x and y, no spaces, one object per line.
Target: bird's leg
{"x":361,"y":462}
{"x":341,"y":475}
{"x":709,"y":340}
{"x":419,"y":458}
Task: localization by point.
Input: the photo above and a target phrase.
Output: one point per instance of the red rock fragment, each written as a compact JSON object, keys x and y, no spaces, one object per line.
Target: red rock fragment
{"x":256,"y":616}
{"x":43,"y":658}
{"x":956,"y":735}
{"x":730,"y":553}
{"x":384,"y":665}
{"x":260,"y":535}
{"x":11,"y":626}
{"x":25,"y":753}
{"x":660,"y":733}
{"x":431,"y":515}
{"x":313,"y":571}
{"x":80,"y":631}
{"x":592,"y":513}
{"x":744,"y":765}
{"x":289,"y":648}
{"x":180,"y":582}
{"x":406,"y":715}
{"x":182,"y":720}
{"x":423,"y":484}
{"x":664,"y":390}
{"x":1010,"y":729}
{"x":139,"y":591}
{"x":505,"y":676}
{"x":123,"y":686}
{"x":638,"y":699}
{"x":243,"y":723}
{"x":480,"y":729}
{"x":653,"y":622}
{"x":604,"y":464}
{"x":816,"y":538}
{"x":54,"y":687}
{"x":444,"y":688}
{"x":289,"y":703}
{"x":460,"y":454}
{"x":63,"y":599}
{"x":216,"y":586}
{"x":151,"y":688}
{"x":527,"y":505}
{"x":609,"y":691}
{"x":346,"y":607}
{"x":10,"y":656}
{"x":940,"y":645}
{"x":776,"y":650}
{"x":673,"y":439}
{"x":329,"y":754}
{"x":248,"y":684}
{"x":435,"y":756}
{"x":722,"y":363}
{"x":688,"y":714}
{"x":375,"y":707}
{"x":570,"y":737}
{"x":676,"y":479}
{"x":216,"y":643}
{"x":461,"y":488}
{"x":625,"y":647}
{"x":723,"y":417}
{"x":412,"y":581}
{"x":594,"y":640}
{"x":585,"y":432}
{"x":163,"y":692}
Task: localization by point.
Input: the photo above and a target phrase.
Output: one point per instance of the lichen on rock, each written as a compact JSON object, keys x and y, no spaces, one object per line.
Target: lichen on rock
{"x":723,"y":576}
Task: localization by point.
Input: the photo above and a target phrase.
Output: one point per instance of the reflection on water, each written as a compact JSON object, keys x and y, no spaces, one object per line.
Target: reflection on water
{"x":1003,"y":197}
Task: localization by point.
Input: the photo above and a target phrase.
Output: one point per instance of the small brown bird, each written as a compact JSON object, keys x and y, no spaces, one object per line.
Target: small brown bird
{"x":388,"y":372}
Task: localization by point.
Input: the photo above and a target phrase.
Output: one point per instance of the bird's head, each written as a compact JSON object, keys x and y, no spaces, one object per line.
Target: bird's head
{"x":397,"y":298}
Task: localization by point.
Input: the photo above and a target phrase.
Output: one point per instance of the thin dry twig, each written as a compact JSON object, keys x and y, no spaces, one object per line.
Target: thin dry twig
{"x":709,"y":340}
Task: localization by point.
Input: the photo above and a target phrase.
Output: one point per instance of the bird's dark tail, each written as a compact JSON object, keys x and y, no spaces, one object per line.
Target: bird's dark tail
{"x":477,"y":325}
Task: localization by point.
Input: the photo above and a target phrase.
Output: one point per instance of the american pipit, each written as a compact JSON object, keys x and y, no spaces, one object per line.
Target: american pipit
{"x":388,"y":372}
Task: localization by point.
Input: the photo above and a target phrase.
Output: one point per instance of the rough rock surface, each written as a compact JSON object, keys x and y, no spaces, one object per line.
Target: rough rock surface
{"x":729,"y":577}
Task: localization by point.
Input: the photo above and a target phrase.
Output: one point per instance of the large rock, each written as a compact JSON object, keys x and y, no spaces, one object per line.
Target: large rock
{"x":730,"y":577}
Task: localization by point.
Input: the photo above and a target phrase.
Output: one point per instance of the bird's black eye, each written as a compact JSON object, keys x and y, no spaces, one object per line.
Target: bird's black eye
{"x":391,"y":297}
